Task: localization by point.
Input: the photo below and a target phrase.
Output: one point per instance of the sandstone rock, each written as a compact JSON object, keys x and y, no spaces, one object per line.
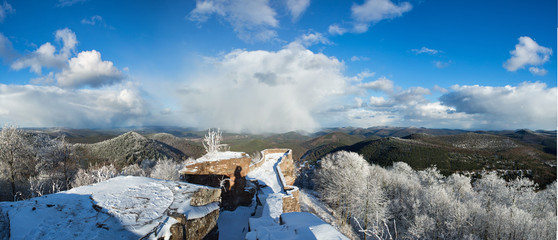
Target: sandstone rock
{"x":205,"y":196}
{"x":195,"y":228}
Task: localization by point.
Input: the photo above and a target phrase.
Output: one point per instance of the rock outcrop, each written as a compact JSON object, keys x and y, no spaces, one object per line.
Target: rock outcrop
{"x":119,"y":208}
{"x":223,"y":169}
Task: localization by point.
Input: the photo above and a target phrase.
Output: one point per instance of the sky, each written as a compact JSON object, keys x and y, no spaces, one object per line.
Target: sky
{"x":262,"y":66}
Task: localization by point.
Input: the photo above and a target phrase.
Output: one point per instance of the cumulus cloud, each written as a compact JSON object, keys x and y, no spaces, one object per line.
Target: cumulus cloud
{"x":538,"y":71}
{"x":425,"y":50}
{"x":335,"y":29}
{"x":381,"y":84}
{"x":85,"y":69}
{"x":312,"y":39}
{"x":47,"y":56}
{"x":528,"y":105}
{"x":250,"y":19}
{"x":297,"y":7}
{"x":373,"y":11}
{"x":5,"y":9}
{"x":46,"y":106}
{"x":265,"y":91}
{"x":468,"y":107}
{"x":88,"y":69}
{"x":44,"y":56}
{"x":527,"y":52}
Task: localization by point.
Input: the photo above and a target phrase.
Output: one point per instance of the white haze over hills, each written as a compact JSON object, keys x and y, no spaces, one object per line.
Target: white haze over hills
{"x":258,"y":91}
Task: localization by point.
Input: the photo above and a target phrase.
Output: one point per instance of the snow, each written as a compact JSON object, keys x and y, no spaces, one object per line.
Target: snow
{"x":310,"y":203}
{"x":218,"y":156}
{"x":119,"y":208}
{"x":234,"y":224}
{"x":301,"y":222}
{"x":266,"y":172}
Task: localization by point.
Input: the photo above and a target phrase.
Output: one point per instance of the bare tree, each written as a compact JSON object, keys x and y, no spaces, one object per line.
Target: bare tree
{"x":212,"y":141}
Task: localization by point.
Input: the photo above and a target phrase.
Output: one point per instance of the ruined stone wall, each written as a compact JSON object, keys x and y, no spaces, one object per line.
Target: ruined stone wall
{"x":288,"y":175}
{"x":231,"y":172}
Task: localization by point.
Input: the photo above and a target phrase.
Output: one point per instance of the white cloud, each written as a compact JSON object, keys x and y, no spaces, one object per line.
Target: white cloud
{"x":96,"y":19}
{"x":265,"y":91}
{"x":88,"y":69}
{"x":47,"y":106}
{"x":46,"y":55}
{"x":251,"y":19}
{"x":373,"y":11}
{"x":538,"y":71}
{"x":297,"y":7}
{"x":439,"y":89}
{"x":47,"y":79}
{"x":441,"y":64}
{"x":377,"y":101}
{"x":335,"y":29}
{"x":362,"y":75}
{"x":357,"y":58}
{"x":358,"y":101}
{"x":5,"y":9}
{"x":381,"y":84}
{"x":528,"y":105}
{"x":527,"y":52}
{"x":66,"y":3}
{"x":69,"y":41}
{"x":85,"y":69}
{"x":425,"y":50}
{"x":312,"y":39}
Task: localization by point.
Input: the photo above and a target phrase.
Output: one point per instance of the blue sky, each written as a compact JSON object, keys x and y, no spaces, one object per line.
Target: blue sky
{"x":276,"y":66}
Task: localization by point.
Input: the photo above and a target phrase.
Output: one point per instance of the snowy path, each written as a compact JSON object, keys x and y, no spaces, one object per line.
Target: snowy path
{"x":269,"y":221}
{"x":266,"y":172}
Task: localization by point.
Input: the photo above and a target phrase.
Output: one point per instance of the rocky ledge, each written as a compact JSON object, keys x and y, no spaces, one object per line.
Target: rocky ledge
{"x":119,"y":208}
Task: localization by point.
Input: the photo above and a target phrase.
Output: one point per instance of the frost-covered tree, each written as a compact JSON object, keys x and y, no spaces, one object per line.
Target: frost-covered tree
{"x":94,"y":175}
{"x":57,"y":160}
{"x":166,"y":169}
{"x":15,"y":156}
{"x":212,"y":141}
{"x":427,"y":205}
{"x":345,"y":183}
{"x":133,"y":170}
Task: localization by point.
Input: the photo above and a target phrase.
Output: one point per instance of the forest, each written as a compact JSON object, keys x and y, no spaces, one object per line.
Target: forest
{"x":398,"y":202}
{"x":33,"y":165}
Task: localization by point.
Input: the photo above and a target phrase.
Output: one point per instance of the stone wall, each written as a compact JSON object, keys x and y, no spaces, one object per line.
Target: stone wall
{"x":286,"y":167}
{"x":231,"y":172}
{"x":195,"y":228}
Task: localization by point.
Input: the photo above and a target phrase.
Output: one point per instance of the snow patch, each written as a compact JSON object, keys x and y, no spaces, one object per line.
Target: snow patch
{"x":218,"y":156}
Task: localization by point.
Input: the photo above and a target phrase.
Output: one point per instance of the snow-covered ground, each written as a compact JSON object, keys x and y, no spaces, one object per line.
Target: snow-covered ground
{"x":119,"y":208}
{"x":217,"y":156}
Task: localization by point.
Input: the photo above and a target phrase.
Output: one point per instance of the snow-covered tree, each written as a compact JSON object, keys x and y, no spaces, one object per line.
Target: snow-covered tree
{"x":133,"y":170}
{"x":427,"y":205}
{"x":86,"y":177}
{"x":345,"y":183}
{"x":166,"y":169}
{"x":57,"y":160}
{"x":15,"y":156}
{"x":212,"y":141}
